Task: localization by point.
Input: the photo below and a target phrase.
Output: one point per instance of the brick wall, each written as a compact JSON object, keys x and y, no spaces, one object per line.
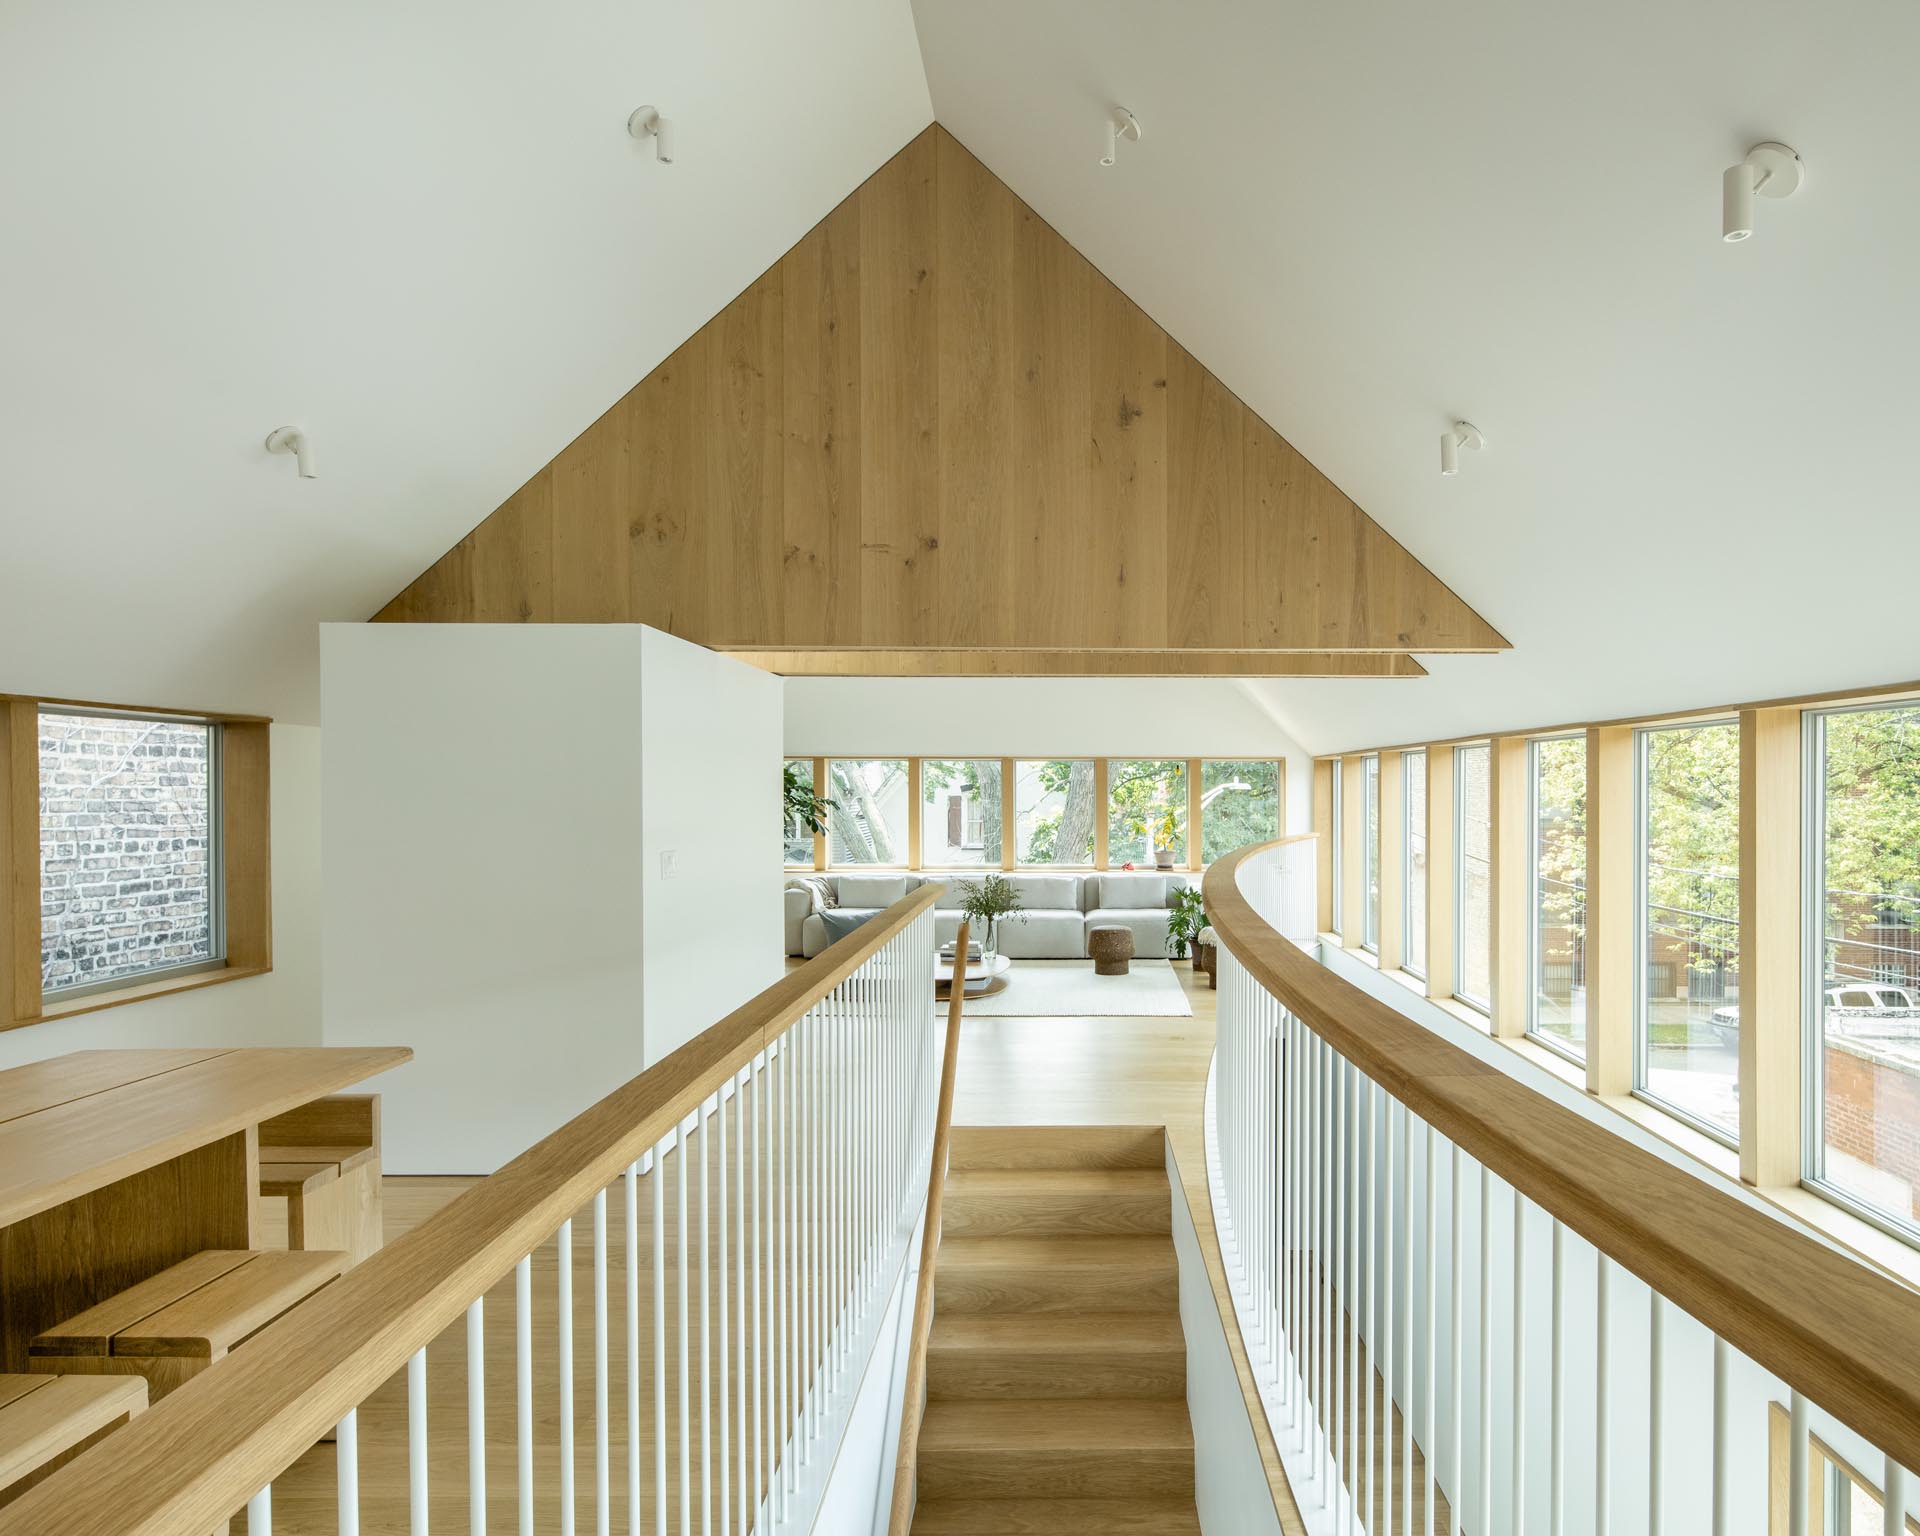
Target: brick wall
{"x":1873,"y":1111}
{"x":123,"y":847}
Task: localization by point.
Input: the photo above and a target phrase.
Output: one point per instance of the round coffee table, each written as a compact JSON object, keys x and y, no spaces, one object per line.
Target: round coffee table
{"x":983,"y":976}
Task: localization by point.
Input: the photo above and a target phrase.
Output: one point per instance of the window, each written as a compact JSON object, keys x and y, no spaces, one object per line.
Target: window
{"x":1414,"y":850}
{"x":1339,"y":847}
{"x":960,"y":812}
{"x":1557,"y":1007}
{"x":1370,"y":834}
{"x":796,"y":776}
{"x":1239,"y":804}
{"x":1053,"y":811}
{"x":1863,"y":1023}
{"x":1473,"y":830}
{"x":1687,"y":1019}
{"x":1146,"y":811}
{"x":868,"y":823}
{"x":1841,"y":1500}
{"x":129,"y":868}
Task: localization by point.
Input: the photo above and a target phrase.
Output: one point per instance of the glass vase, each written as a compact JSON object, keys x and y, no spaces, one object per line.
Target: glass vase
{"x":990,"y":940}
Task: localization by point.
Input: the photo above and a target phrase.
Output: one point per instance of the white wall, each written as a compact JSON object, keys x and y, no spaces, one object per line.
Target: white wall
{"x":492,"y":857}
{"x":280,"y":1008}
{"x":1051,"y":716}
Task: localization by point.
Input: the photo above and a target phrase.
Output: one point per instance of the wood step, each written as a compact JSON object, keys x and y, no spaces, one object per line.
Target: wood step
{"x":979,"y":1147}
{"x":1054,"y":1517}
{"x":1051,"y":1355}
{"x":1018,"y":1449}
{"x":1094,"y":1202}
{"x":1056,"y":1274}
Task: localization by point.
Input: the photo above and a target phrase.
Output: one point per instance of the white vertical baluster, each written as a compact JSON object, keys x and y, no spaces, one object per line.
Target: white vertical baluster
{"x":602,"y":1497}
{"x":1366,"y":1170}
{"x":260,"y":1513}
{"x":633,"y":1352}
{"x":1893,"y":1499}
{"x":523,"y":1389}
{"x":657,"y":1191}
{"x":1386,"y":1322}
{"x":1340,"y":1190}
{"x":1324,"y":1187}
{"x":1519,"y":1361}
{"x":563,"y":1310}
{"x":1485,"y":1511}
{"x":1722,"y":1468}
{"x":1656,"y":1370}
{"x":347,"y":1471}
{"x":1407,"y":1123}
{"x":1798,"y":1489}
{"x":416,"y":1445}
{"x":681,"y":1332}
{"x":1431,"y":1306}
{"x":726,"y":1469}
{"x":1557,"y":1433}
{"x":1602,"y":1381}
{"x":706,"y":1342}
{"x":752,"y":1502}
{"x":1456,"y":1328}
{"x":477,"y":1417}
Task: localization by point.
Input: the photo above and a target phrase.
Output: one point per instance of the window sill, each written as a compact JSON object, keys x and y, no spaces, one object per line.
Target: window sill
{"x":137,"y":992}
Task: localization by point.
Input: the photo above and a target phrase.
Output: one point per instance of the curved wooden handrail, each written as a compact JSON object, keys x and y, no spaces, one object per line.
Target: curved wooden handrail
{"x":191,"y":1460}
{"x":1840,"y":1332}
{"x":913,"y":1399}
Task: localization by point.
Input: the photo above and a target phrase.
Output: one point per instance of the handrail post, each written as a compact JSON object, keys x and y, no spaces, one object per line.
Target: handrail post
{"x":913,"y":1399}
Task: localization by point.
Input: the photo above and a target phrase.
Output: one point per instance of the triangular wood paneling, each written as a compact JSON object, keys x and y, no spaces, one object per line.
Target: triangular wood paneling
{"x":934,"y":425}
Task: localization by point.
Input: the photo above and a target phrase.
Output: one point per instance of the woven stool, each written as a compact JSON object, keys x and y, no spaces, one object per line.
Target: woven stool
{"x":1111,"y":947}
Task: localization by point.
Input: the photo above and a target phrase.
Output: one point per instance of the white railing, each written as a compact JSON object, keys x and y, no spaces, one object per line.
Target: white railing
{"x":1438,"y":1351}
{"x":750,"y":1249}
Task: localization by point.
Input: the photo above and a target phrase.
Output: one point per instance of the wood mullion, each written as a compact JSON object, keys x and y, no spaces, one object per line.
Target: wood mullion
{"x":246,"y":842}
{"x":1009,"y":834}
{"x":1352,"y":874}
{"x":1771,"y":998}
{"x":1393,"y":868}
{"x":819,"y":838}
{"x":1324,"y":769}
{"x":1102,"y":778}
{"x":1194,"y":812}
{"x":914,"y":847}
{"x":1443,"y":885}
{"x":1610,"y":917}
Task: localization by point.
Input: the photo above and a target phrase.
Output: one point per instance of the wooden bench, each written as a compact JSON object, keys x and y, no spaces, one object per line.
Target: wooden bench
{"x":45,"y":1421}
{"x":323,"y":1159}
{"x":174,"y":1325}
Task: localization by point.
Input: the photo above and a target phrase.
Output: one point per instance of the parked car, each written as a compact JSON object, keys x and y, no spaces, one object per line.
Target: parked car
{"x":1855,"y":1000}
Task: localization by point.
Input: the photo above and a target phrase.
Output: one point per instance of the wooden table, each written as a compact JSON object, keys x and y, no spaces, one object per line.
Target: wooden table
{"x":116,"y":1164}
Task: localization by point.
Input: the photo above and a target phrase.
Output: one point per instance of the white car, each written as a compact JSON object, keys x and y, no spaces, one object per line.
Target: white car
{"x":1856,"y":1000}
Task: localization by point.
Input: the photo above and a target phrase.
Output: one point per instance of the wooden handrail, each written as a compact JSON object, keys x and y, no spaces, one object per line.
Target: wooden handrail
{"x":192,"y":1459}
{"x":1798,"y":1306}
{"x":913,"y":1400}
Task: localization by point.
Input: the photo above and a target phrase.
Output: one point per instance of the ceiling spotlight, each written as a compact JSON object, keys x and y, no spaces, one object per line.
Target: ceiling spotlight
{"x":647,"y":123}
{"x":1772,"y":170}
{"x":1462,"y":434}
{"x":292,"y":440}
{"x":1121,"y":124}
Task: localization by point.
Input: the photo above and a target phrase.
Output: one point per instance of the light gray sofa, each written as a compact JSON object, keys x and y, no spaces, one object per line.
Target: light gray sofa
{"x":1059,"y":909}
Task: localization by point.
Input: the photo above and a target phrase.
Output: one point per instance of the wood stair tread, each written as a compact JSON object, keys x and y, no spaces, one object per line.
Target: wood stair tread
{"x":1000,"y":1182}
{"x":1054,"y":1250}
{"x":981,"y":1147}
{"x":1054,"y":1517}
{"x":1093,"y":1332}
{"x":1094,"y":1426}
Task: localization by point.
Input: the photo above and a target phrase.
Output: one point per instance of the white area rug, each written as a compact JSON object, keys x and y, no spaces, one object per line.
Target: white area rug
{"x":1050,"y":989}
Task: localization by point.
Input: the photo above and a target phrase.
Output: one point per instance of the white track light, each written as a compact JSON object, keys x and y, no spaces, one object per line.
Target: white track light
{"x":647,"y":123}
{"x":1121,"y":124}
{"x":1771,"y":170}
{"x":1462,"y":434}
{"x":292,"y":440}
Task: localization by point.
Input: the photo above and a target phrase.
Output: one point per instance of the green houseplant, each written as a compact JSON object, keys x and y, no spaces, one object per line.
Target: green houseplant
{"x":800,"y":805}
{"x":1185,"y":921}
{"x":985,"y":901}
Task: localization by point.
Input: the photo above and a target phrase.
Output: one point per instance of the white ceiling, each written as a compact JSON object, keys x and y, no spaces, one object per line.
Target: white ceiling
{"x":421,"y":232}
{"x":1369,"y":219}
{"x":418,"y":230}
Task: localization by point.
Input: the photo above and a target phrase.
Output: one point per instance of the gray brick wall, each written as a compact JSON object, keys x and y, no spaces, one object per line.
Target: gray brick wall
{"x":124,"y":807}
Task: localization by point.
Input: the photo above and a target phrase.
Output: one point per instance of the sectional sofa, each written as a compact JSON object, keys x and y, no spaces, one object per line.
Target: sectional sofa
{"x":1059,"y":909}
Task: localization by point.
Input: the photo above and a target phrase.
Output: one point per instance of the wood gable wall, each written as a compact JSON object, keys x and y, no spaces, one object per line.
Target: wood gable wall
{"x":932,"y":427}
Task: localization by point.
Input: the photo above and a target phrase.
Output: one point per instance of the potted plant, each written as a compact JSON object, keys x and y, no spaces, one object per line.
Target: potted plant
{"x":800,"y":805}
{"x":1185,"y":921}
{"x":985,"y":902}
{"x":1166,"y":832}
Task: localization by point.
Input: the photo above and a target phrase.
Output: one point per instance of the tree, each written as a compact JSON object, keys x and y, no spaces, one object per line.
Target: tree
{"x":857,"y":821}
{"x":1066,"y":837}
{"x":1233,"y":818}
{"x":979,"y":779}
{"x":1146,"y":807}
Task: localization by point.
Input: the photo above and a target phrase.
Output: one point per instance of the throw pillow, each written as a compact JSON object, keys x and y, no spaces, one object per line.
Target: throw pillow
{"x":872,"y":891}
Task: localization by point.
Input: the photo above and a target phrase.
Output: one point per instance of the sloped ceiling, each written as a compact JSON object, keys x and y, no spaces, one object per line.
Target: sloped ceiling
{"x":419,"y":231}
{"x":1371,"y":219}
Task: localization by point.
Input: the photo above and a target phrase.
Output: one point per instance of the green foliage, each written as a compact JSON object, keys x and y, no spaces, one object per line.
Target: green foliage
{"x":1693,"y":840}
{"x":1235,"y":817}
{"x":800,"y":805}
{"x":987,"y":898}
{"x":1872,"y":809}
{"x":1184,"y":922}
{"x":1146,"y":808}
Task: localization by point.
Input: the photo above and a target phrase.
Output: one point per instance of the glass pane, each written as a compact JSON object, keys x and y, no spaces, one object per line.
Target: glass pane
{"x":1473,"y":771}
{"x":1339,"y":846}
{"x":1416,"y":845}
{"x":1869,"y":1002}
{"x":126,"y":884}
{"x":796,"y":777}
{"x":1146,"y":811}
{"x":868,"y":822}
{"x":1689,"y":1016}
{"x":1239,"y":804}
{"x":1053,"y":811}
{"x":1370,"y":826}
{"x":960,"y":812}
{"x":1560,"y":893}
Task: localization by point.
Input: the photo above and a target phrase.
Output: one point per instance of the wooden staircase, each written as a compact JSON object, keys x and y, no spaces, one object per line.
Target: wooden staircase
{"x":1056,"y":1367}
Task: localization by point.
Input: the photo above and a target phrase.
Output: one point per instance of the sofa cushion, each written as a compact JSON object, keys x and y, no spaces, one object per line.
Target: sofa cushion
{"x":1043,"y":934}
{"x":872,"y":891}
{"x":843,"y":920}
{"x":1149,"y":928}
{"x":1044,"y":893}
{"x":951,"y":896}
{"x":1135,"y":892}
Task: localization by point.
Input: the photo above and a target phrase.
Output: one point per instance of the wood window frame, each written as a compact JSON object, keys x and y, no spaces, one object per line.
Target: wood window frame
{"x":244,"y":849}
{"x":1821,"y":1458}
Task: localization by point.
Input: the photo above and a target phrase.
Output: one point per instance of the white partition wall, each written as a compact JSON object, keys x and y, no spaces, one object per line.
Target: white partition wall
{"x":498,"y":804}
